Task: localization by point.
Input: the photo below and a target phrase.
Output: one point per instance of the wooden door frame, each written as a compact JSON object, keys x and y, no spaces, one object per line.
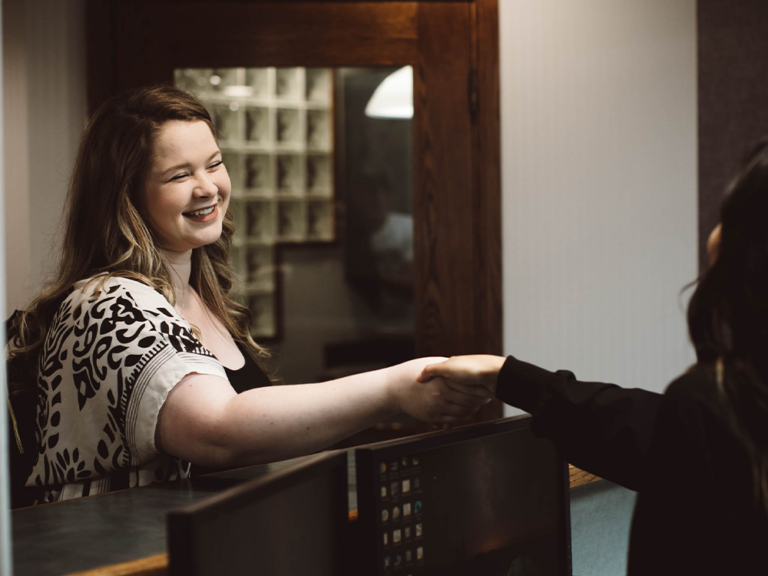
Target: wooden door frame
{"x":446,"y":324}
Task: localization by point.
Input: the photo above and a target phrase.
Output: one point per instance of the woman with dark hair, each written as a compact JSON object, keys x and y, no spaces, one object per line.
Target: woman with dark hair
{"x":698,"y":454}
{"x":136,"y":351}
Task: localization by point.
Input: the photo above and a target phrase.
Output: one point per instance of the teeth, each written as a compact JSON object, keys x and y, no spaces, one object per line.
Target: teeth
{"x":203,"y":212}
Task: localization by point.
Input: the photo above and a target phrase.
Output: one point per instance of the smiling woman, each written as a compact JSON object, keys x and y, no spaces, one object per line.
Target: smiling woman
{"x":141,"y":361}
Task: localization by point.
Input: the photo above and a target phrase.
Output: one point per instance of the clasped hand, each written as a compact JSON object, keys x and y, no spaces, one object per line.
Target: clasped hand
{"x":443,"y":391}
{"x":451,"y":389}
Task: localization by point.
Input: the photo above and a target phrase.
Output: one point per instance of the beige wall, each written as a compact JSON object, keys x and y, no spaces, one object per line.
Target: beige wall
{"x":45,"y":104}
{"x":598,"y":103}
{"x":16,"y":153}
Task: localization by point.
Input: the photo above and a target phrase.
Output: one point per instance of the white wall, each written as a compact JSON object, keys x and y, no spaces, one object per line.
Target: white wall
{"x":598,"y":105}
{"x":45,"y":90}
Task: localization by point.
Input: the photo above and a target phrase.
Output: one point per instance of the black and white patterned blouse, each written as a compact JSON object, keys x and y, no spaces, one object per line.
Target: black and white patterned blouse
{"x":111,"y":357}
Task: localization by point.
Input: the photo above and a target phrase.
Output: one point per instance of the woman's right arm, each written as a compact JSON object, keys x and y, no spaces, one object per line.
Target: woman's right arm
{"x":204,"y":421}
{"x":602,"y":428}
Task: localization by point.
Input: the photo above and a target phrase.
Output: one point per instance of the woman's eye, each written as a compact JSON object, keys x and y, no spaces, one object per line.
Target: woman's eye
{"x":178,"y":177}
{"x":216,"y":164}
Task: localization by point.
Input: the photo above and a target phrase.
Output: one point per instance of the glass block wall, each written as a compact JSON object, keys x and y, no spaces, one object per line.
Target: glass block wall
{"x":275,"y":131}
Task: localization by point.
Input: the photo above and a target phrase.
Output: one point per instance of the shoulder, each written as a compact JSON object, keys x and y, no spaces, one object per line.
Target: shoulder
{"x":693,"y":401}
{"x":105,"y":297}
{"x":99,"y":288}
{"x":105,"y":304}
{"x":126,"y":309}
{"x":695,"y":385}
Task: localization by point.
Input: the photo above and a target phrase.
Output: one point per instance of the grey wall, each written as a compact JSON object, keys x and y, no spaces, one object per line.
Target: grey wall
{"x":598,"y":106}
{"x":733,"y":42}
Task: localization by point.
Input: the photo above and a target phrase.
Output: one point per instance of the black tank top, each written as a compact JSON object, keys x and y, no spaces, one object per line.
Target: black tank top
{"x":248,"y":377}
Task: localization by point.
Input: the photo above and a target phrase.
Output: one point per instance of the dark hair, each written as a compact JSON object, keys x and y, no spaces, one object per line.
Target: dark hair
{"x":105,"y":231}
{"x":728,"y":312}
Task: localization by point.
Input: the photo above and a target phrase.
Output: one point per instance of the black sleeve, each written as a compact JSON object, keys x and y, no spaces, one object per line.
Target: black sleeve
{"x":602,"y":428}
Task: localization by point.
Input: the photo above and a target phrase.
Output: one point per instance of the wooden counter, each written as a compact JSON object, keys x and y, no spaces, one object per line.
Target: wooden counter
{"x":579,"y":477}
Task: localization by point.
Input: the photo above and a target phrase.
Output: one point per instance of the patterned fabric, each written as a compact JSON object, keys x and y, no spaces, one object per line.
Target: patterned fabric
{"x":114,"y":351}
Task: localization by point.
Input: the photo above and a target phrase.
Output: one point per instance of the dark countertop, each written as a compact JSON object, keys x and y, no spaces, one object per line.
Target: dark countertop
{"x":95,"y":531}
{"x":86,"y":533}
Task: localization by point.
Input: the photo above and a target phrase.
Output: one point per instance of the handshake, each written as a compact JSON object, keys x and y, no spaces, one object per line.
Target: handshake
{"x":445,"y":391}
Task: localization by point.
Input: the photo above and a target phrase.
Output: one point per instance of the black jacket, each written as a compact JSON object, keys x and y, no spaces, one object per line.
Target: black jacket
{"x":695,"y":511}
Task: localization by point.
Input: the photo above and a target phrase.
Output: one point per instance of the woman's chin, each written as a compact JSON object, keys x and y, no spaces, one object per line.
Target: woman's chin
{"x":208,"y":240}
{"x":192,"y":243}
{"x":207,"y":236}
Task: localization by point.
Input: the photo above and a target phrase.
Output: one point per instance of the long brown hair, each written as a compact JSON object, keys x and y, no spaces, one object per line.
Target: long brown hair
{"x":728,"y":313}
{"x":105,"y":232}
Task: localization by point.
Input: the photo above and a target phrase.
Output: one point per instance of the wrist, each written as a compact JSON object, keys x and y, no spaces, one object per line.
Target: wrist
{"x":492,"y":379}
{"x":393,"y":389}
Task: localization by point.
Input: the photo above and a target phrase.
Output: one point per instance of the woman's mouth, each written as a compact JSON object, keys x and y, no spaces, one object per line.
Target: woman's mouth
{"x":203,"y":215}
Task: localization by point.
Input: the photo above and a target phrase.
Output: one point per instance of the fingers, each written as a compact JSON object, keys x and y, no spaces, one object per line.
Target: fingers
{"x":473,"y":391}
{"x":440,"y":401}
{"x":475,"y":375}
{"x":458,"y":398}
{"x":433,"y":370}
{"x":464,"y":369}
{"x":470,"y":396}
{"x":446,"y":368}
{"x":453,"y":405}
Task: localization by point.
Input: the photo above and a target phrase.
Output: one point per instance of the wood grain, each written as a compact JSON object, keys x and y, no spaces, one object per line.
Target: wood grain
{"x":580,"y":477}
{"x":451,"y":219}
{"x":100,"y":52}
{"x":152,"y":40}
{"x":150,"y":566}
{"x":443,"y":225}
{"x":486,"y":162}
{"x":732,"y":40}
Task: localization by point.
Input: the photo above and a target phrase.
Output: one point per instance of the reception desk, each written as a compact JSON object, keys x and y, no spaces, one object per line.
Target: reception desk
{"x":125,"y":532}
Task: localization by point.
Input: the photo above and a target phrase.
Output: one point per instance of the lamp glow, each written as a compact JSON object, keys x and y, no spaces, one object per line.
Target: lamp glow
{"x":393,"y":98}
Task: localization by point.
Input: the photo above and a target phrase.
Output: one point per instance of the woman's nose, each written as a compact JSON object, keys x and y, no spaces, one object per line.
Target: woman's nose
{"x":205,"y":187}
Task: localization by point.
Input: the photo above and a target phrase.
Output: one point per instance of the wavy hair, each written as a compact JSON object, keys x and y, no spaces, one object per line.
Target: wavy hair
{"x":106,"y":234}
{"x":728,"y":313}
